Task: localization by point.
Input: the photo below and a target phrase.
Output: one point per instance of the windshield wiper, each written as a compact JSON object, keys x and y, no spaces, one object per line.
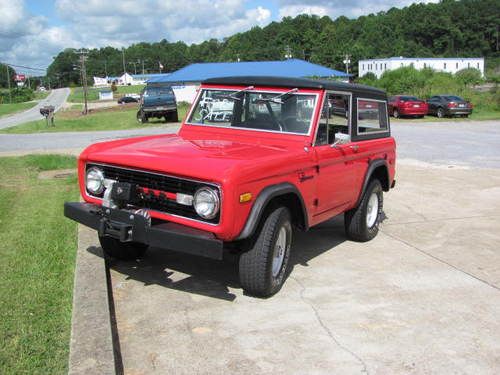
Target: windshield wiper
{"x":276,"y":99}
{"x":234,"y":96}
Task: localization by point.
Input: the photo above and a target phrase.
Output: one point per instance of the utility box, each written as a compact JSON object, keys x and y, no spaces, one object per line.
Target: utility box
{"x":105,"y":95}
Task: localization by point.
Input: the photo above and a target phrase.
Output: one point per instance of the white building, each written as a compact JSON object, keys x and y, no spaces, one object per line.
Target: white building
{"x":441,"y":64}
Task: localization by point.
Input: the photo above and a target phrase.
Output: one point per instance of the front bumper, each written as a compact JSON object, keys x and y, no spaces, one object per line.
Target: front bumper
{"x":130,"y":227}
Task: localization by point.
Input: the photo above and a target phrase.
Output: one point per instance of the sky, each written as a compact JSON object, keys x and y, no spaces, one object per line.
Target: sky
{"x":32,"y":32}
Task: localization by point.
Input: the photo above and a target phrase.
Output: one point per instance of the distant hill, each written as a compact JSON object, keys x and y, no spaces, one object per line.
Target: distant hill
{"x":449,"y":28}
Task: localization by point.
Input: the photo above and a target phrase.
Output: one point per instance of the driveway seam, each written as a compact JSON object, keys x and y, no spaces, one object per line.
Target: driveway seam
{"x":443,"y":219}
{"x":326,"y":329}
{"x":441,"y":260}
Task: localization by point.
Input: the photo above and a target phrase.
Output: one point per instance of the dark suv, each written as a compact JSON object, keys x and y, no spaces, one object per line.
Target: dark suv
{"x":448,"y":106}
{"x":157,"y":101}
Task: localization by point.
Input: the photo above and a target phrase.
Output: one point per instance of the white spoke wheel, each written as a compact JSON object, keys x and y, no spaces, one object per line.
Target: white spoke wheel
{"x":361,"y":223}
{"x":279,"y":252}
{"x":263,"y":268}
{"x":372,"y":210}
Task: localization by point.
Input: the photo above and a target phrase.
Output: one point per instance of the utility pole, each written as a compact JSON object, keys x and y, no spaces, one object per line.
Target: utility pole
{"x":123,"y":60}
{"x":347,"y":61}
{"x":8,"y":82}
{"x":106,"y":68}
{"x":83,"y":57}
{"x":143,"y":66}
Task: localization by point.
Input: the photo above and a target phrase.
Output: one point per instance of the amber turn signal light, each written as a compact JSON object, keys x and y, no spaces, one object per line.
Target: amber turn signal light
{"x":246,"y":197}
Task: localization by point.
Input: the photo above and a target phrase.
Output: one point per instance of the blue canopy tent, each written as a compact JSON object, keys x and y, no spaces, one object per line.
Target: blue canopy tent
{"x":296,"y":68}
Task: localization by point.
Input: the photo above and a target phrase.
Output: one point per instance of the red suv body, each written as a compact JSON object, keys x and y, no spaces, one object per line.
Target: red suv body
{"x":255,"y":159}
{"x":404,"y":105}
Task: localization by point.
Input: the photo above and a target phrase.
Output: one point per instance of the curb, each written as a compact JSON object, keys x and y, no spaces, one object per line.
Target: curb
{"x":91,"y":344}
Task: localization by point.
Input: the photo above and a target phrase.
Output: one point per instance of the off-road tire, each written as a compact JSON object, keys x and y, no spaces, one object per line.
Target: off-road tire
{"x":255,"y":265}
{"x":141,"y":117}
{"x":356,"y":227}
{"x":172,"y":117}
{"x":395,"y":113}
{"x":122,"y":250}
{"x":440,"y":113}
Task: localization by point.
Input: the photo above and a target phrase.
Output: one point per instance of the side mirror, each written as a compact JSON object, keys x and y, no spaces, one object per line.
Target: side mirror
{"x":341,"y":139}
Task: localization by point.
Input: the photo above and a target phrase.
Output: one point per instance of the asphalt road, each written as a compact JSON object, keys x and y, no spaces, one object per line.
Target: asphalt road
{"x":56,"y":98}
{"x":465,"y":143}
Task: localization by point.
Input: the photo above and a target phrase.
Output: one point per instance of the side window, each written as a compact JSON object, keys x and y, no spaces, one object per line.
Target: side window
{"x":372,"y":116}
{"x":334,"y":118}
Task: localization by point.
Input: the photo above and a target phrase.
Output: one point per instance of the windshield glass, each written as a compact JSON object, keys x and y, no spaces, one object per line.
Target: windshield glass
{"x":286,"y":112}
{"x":409,"y":98}
{"x":157,"y":91}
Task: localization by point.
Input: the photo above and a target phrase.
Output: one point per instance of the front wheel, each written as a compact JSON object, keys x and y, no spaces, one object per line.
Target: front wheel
{"x":440,"y":112}
{"x":263,"y":269}
{"x":361,"y":223}
{"x":122,"y":250}
{"x":141,"y":117}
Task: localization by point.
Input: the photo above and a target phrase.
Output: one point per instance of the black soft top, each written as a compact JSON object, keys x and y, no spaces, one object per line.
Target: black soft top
{"x":296,"y":82}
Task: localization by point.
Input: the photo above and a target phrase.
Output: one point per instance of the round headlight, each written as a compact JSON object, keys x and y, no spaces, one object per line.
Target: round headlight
{"x":206,"y":202}
{"x":94,"y":181}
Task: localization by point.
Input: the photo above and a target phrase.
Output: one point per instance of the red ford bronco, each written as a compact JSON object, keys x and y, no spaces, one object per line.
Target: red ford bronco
{"x":255,"y":158}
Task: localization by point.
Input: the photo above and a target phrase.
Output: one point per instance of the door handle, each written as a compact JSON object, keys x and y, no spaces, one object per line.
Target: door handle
{"x":355,"y":148}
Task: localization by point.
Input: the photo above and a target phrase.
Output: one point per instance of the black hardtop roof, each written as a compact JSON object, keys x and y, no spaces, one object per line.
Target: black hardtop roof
{"x":295,"y":82}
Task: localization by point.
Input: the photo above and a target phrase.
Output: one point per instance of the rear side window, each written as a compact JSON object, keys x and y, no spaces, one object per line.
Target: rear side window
{"x":372,"y":116}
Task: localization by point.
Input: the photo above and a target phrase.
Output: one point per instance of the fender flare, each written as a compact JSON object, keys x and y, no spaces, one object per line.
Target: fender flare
{"x":374,"y":164}
{"x":260,"y":204}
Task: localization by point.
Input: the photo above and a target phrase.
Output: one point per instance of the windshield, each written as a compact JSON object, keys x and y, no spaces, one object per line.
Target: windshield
{"x":157,"y":91}
{"x":286,"y":112}
{"x":409,"y":98}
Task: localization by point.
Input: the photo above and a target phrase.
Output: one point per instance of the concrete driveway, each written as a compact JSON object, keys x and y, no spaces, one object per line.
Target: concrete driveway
{"x":57,"y":98}
{"x":423,"y":297}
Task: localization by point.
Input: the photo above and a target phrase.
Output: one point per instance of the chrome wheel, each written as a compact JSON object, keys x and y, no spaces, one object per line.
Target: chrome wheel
{"x":372,"y":210}
{"x":279,"y":251}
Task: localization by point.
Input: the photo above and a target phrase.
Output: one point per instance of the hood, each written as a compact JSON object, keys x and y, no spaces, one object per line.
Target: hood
{"x":206,"y":159}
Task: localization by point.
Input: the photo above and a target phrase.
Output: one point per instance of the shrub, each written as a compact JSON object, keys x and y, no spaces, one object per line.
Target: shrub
{"x":469,"y":77}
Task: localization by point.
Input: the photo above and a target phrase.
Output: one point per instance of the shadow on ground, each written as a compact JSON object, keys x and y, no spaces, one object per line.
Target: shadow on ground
{"x":213,"y":278}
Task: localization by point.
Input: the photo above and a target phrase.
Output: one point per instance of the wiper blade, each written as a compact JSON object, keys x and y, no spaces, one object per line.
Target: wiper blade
{"x":234,"y":96}
{"x":276,"y":99}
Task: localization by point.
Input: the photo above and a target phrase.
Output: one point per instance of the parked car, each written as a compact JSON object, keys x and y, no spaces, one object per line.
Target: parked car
{"x":127,"y":99}
{"x":158,"y":102}
{"x":448,"y":106}
{"x":243,"y":182}
{"x":405,"y":105}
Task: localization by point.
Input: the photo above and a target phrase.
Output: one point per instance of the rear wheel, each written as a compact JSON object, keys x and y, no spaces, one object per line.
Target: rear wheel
{"x":122,"y":250}
{"x":263,"y":269}
{"x":172,"y":117}
{"x":361,"y":223}
{"x":395,"y":113}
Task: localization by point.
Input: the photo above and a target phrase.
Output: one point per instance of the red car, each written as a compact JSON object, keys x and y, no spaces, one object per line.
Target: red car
{"x":255,"y":159}
{"x":404,"y":105}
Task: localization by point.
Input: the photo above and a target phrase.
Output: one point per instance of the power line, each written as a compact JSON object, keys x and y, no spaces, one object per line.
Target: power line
{"x":23,"y":67}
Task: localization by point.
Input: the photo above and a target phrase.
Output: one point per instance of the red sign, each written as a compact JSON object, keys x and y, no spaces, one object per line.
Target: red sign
{"x":19,"y":78}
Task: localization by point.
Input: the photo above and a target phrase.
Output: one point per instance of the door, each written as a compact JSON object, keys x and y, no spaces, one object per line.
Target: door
{"x":335,"y":155}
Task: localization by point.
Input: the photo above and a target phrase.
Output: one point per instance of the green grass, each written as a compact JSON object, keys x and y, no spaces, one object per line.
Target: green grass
{"x":37,"y":250}
{"x":76,"y":95}
{"x":41,"y":94}
{"x":6,"y":109}
{"x":117,"y":118}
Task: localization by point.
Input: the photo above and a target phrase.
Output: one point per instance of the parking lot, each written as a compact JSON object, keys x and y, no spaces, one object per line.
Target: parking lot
{"x":423,"y":297}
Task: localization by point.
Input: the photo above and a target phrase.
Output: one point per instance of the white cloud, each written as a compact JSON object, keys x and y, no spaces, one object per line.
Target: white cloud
{"x":28,"y":39}
{"x":336,"y":8}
